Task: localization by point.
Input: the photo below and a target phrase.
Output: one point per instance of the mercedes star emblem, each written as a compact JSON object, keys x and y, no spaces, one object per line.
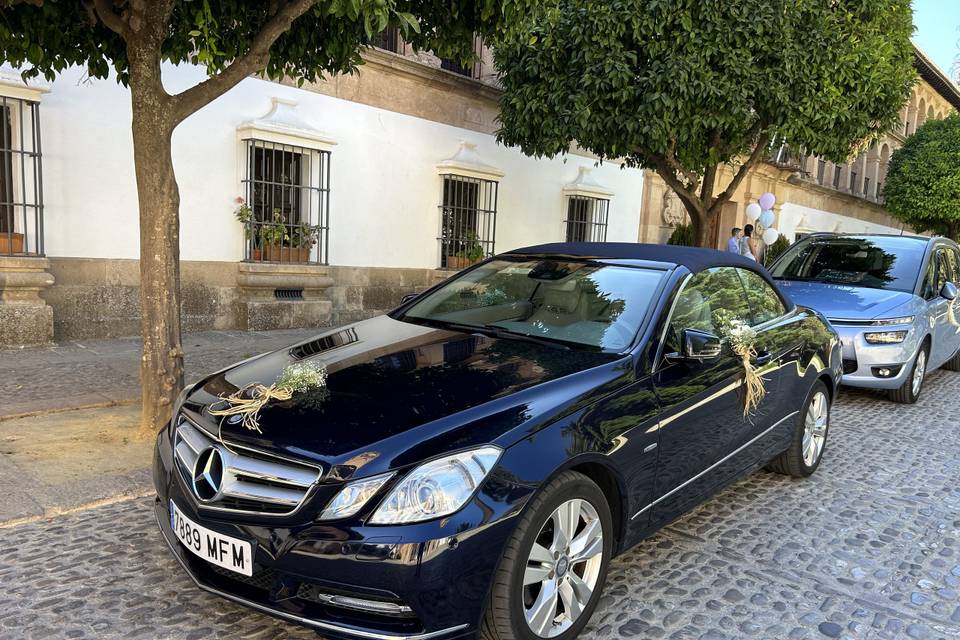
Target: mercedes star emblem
{"x":208,"y":474}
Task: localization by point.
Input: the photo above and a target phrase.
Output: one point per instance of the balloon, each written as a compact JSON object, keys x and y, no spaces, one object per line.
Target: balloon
{"x":753,"y":211}
{"x":771,"y":235}
{"x":766,"y":218}
{"x":767,"y":200}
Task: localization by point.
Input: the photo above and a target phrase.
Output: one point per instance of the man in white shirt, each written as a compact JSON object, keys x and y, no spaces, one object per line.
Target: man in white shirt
{"x":733,"y":244}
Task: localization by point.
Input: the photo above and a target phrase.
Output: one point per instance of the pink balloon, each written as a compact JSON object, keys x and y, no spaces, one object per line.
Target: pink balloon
{"x":767,"y":200}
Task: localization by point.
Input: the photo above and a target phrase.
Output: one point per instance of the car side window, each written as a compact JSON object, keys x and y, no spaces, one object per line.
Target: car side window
{"x":707,"y":297}
{"x":944,"y":271}
{"x":953,"y":262}
{"x":927,"y":289}
{"x":765,"y":303}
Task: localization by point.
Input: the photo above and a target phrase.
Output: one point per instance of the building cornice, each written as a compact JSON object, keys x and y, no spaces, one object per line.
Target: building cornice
{"x":936,"y":78}
{"x":12,"y":85}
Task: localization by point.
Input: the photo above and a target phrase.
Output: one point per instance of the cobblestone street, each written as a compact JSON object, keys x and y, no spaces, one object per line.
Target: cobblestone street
{"x":869,"y":548}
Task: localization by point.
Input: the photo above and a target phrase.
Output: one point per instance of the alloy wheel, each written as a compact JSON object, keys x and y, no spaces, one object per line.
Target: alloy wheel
{"x":919,"y":370}
{"x":563,"y":568}
{"x":815,"y":428}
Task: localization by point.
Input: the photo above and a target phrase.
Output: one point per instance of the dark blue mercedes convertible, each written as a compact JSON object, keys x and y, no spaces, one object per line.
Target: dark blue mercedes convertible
{"x":473,"y":460}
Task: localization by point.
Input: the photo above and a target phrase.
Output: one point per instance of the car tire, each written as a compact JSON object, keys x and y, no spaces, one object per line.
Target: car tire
{"x":909,"y":391}
{"x":809,"y":441}
{"x":510,"y":599}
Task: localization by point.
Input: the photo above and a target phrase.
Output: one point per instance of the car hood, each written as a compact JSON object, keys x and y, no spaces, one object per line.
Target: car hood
{"x":398,"y":392}
{"x":838,"y":301}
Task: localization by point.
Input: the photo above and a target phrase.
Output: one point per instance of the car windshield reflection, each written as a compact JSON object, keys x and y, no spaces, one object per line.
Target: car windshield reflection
{"x":579,"y":304}
{"x":878,"y":263}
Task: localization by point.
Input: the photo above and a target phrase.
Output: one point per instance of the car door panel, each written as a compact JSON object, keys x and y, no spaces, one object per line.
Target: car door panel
{"x":702,"y":418}
{"x":944,"y":333}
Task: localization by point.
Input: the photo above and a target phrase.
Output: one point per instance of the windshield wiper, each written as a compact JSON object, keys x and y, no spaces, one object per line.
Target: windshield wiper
{"x":496,"y":331}
{"x":503,"y":332}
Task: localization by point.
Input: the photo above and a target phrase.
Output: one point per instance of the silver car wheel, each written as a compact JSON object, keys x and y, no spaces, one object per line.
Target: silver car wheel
{"x":563,"y":568}
{"x":919,"y":370}
{"x":815,"y":425}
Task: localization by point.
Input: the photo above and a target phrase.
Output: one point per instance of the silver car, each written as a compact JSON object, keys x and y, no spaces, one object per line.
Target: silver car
{"x":891,"y":299}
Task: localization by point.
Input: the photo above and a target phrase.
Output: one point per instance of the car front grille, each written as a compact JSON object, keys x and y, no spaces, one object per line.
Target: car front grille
{"x":250,"y":481}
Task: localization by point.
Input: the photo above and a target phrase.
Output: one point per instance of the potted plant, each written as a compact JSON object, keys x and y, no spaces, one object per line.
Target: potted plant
{"x":471,"y":252}
{"x":275,"y":240}
{"x":302,"y":238}
{"x":272,"y":238}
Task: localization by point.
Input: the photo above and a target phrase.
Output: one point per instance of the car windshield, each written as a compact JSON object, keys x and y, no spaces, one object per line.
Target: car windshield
{"x":579,"y":304}
{"x":876,"y":262}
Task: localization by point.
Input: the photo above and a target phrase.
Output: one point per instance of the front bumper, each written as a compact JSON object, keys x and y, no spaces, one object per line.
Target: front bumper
{"x":861,"y":359}
{"x":441,"y":570}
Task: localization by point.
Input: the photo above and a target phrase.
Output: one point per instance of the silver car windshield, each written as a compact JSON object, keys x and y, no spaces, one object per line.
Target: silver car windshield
{"x":879,"y":262}
{"x":581,"y":304}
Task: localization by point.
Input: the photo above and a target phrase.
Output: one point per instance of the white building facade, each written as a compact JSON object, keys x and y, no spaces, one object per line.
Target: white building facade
{"x":355,"y":191}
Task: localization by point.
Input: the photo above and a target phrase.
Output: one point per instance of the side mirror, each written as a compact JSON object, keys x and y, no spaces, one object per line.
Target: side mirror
{"x":949,"y":291}
{"x":409,"y":297}
{"x":697,"y":345}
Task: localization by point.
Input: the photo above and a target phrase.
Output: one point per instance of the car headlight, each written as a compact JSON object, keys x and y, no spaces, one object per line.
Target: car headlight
{"x":889,"y":321}
{"x":353,"y":496}
{"x":437,"y":488}
{"x":885,"y":337}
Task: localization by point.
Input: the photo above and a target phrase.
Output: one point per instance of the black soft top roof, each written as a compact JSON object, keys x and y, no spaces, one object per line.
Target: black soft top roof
{"x":693,"y":258}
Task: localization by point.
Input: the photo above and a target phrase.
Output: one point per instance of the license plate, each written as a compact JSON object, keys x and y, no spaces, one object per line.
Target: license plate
{"x":224,"y":551}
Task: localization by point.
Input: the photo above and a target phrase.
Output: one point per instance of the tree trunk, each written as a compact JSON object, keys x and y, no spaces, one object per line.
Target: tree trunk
{"x":711,"y":228}
{"x":698,"y":223}
{"x":161,"y":366}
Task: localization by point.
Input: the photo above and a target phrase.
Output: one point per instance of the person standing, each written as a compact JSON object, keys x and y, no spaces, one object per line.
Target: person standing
{"x":733,"y":244}
{"x":748,"y":246}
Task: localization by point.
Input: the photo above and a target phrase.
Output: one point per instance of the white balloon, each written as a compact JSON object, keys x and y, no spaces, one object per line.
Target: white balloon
{"x":753,"y":211}
{"x":766,"y":218}
{"x":771,"y":235}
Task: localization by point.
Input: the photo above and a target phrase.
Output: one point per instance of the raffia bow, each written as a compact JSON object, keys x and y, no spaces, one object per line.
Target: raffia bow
{"x":248,"y":402}
{"x":742,"y":338}
{"x":754,"y":390}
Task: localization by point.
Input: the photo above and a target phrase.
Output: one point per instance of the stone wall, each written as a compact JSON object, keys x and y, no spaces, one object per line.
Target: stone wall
{"x":363,"y":292}
{"x":99,"y":298}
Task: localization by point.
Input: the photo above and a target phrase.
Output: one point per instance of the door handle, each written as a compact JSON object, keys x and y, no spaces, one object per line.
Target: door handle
{"x":763,"y":357}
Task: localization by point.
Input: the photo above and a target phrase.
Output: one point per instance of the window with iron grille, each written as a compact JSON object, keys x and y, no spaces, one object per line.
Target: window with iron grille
{"x":854,"y":184}
{"x":821,"y":170}
{"x":388,"y":39}
{"x":836,"y":176}
{"x":470,"y":70}
{"x":288,"y":191}
{"x":587,"y":219}
{"x":468,"y":220}
{"x":21,"y":179}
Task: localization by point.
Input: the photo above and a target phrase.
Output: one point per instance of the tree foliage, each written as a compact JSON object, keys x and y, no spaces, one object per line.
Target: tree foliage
{"x":232,"y":39}
{"x":923,"y":179}
{"x":46,"y":37}
{"x":683,"y":86}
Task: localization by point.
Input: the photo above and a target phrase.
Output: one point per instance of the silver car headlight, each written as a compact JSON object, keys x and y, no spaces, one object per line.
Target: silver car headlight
{"x":437,"y":488}
{"x":885,"y":337}
{"x":890,"y":321}
{"x":352,"y":497}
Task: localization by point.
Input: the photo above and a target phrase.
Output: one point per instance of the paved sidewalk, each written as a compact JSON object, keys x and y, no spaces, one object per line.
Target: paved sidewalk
{"x":106,"y":372}
{"x":68,"y":414}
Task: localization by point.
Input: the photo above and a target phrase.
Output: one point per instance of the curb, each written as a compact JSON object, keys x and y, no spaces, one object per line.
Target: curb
{"x":106,"y":404}
{"x":55,"y":512}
